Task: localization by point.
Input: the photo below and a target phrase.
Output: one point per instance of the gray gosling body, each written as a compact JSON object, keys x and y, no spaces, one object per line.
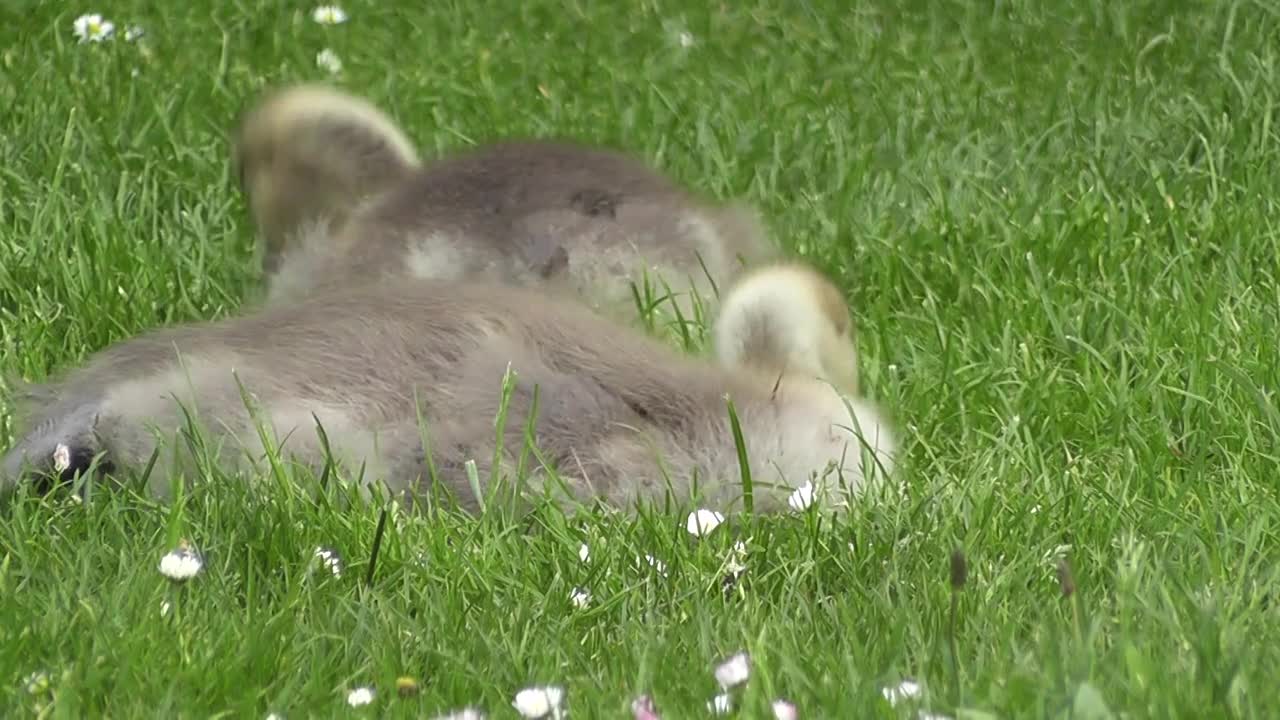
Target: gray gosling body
{"x":622,"y":417}
{"x":340,"y":196}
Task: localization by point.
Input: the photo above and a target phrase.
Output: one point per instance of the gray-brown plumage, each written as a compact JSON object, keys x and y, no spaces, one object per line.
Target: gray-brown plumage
{"x":339,"y":197}
{"x":619,"y":414}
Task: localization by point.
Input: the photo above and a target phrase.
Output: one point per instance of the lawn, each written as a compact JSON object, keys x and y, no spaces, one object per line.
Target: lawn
{"x":1056,"y":223}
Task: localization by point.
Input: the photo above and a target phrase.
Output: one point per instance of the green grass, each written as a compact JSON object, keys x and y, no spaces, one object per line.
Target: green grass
{"x":1056,"y":223}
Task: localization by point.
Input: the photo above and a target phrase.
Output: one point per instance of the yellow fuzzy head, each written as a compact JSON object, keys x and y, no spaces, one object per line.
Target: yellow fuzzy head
{"x":788,"y":318}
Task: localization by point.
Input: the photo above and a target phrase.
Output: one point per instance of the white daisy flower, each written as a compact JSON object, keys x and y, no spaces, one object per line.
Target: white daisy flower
{"x":734,"y":671}
{"x":463,"y":714}
{"x":329,"y":15}
{"x":737,"y":562}
{"x":360,"y":697}
{"x":329,"y":61}
{"x":181,"y":564}
{"x":539,"y":702}
{"x":92,"y":28}
{"x":802,"y":498}
{"x":642,"y":708}
{"x":37,"y":682}
{"x":330,"y":559}
{"x":580,"y":598}
{"x":905,"y":690}
{"x":61,"y":457}
{"x":685,"y":39}
{"x":783,"y":710}
{"x":656,"y":564}
{"x":720,"y":704}
{"x":702,"y":522}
